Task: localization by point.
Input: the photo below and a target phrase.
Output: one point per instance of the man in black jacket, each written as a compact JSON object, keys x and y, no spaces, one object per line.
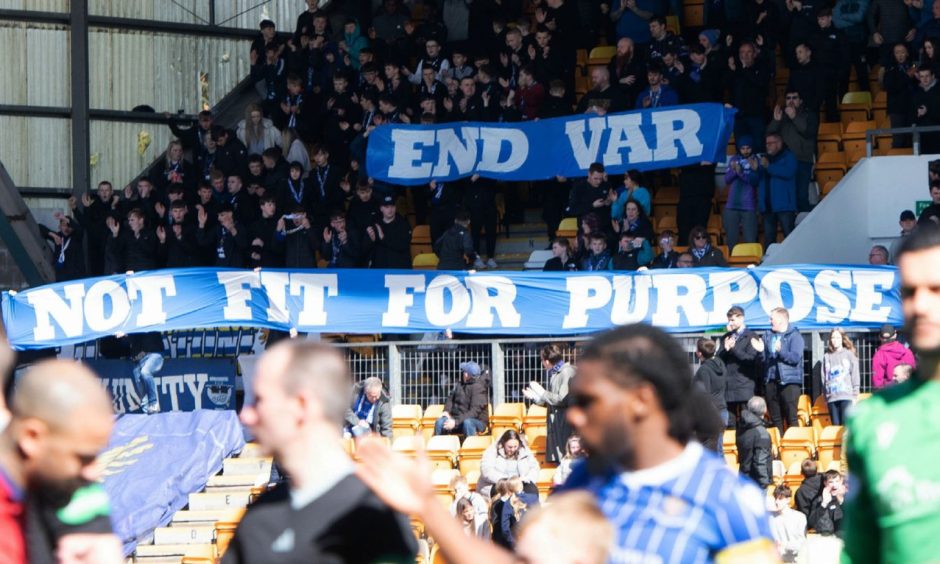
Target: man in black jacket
{"x":465,"y":410}
{"x":390,"y":238}
{"x":295,"y":237}
{"x":592,"y":195}
{"x":92,"y":217}
{"x":926,"y":107}
{"x":742,"y":362}
{"x":748,"y":81}
{"x":455,"y":247}
{"x":178,"y":246}
{"x":192,"y":137}
{"x":262,"y":235}
{"x":134,"y":248}
{"x":230,"y":151}
{"x":340,"y":247}
{"x":68,"y":257}
{"x":228,"y":238}
{"x":329,"y":189}
{"x":754,"y":454}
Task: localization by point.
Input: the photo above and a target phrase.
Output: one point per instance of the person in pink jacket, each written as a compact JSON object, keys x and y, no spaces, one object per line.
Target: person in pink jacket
{"x":889,"y":354}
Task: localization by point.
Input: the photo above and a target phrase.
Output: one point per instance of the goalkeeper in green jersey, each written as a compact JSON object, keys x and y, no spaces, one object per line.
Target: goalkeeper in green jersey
{"x":892,"y":512}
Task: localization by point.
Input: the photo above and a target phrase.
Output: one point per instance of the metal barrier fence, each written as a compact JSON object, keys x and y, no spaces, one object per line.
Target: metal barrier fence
{"x":424,"y":372}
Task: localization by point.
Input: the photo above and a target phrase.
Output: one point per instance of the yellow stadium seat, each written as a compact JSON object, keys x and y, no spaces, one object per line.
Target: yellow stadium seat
{"x":546,"y":481}
{"x":507,"y":416}
{"x":421,"y":234}
{"x":568,"y":227}
{"x":747,"y":249}
{"x":431,"y":415}
{"x":797,"y":444}
{"x":666,"y":195}
{"x":830,"y":445}
{"x":862,"y":97}
{"x":407,"y":446}
{"x":666,"y":222}
{"x":442,"y":450}
{"x":827,"y":188}
{"x":804,"y":410}
{"x":602,"y":53}
{"x":535,"y":421}
{"x":406,"y":420}
{"x":425,"y":261}
{"x":729,"y":441}
{"x":471,"y":453}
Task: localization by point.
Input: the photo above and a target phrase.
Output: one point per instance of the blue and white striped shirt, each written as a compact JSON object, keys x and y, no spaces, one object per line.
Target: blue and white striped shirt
{"x":686,"y":510}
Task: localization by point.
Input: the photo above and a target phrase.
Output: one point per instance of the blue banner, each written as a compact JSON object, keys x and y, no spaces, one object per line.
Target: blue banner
{"x":153,"y":463}
{"x":182,"y":384}
{"x":566,"y":146}
{"x":404,"y":301}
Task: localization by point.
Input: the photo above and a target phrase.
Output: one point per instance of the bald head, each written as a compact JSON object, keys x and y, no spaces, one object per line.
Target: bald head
{"x":320,"y":369}
{"x":59,"y":391}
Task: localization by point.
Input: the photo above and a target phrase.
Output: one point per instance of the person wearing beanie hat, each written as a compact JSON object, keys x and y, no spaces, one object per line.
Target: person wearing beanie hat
{"x":741,"y":180}
{"x":888,"y":355}
{"x":708,"y":38}
{"x":465,"y":411}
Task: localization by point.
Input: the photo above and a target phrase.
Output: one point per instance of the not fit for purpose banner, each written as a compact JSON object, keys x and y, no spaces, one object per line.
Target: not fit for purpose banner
{"x":401,"y":301}
{"x":182,"y":384}
{"x":565,"y":146}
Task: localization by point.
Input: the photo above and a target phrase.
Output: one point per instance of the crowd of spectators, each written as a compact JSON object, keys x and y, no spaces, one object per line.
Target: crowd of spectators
{"x":288,"y":186}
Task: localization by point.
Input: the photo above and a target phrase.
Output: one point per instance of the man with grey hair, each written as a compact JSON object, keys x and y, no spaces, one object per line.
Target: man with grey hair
{"x":878,"y":255}
{"x":369,"y":411}
{"x":754,"y":457}
{"x":323,"y":513}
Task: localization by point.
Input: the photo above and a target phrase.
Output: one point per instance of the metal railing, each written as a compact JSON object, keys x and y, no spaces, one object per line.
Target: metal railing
{"x":915,"y":131}
{"x":424,"y":372}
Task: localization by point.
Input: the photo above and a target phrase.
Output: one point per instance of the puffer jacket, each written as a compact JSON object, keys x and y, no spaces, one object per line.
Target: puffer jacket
{"x":786,"y":365}
{"x":495,"y":466}
{"x":754,"y":454}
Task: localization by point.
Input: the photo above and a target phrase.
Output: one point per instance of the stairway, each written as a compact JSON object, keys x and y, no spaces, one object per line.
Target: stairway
{"x":202,"y":531}
{"x":513,"y":251}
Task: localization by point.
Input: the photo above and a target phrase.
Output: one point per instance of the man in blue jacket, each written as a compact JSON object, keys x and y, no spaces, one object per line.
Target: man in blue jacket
{"x":777,"y":191}
{"x":782,"y":350}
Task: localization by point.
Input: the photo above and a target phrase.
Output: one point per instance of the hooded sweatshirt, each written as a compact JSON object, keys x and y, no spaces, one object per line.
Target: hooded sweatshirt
{"x":754,"y":453}
{"x":886,"y":358}
{"x":840,"y":375}
{"x":711,"y":377}
{"x":355,"y":42}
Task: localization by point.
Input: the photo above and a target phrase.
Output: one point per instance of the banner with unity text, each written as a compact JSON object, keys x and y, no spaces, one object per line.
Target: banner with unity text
{"x":491,"y":303}
{"x":536,"y":150}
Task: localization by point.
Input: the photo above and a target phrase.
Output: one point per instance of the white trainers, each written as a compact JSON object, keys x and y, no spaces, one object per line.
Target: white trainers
{"x":478,"y":264}
{"x":491,"y":264}
{"x":152,"y":409}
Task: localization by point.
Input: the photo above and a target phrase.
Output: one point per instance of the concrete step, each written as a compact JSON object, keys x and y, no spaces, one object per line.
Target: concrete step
{"x":528,"y":228}
{"x":251,"y":450}
{"x":244,"y":466}
{"x":192,"y":534}
{"x":199,"y":501}
{"x":170,"y":551}
{"x":521,"y":244}
{"x":189,"y":517}
{"x":234,"y":480}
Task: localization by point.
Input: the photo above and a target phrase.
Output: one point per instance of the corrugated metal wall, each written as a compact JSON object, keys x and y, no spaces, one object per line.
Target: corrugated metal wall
{"x":37,"y":151}
{"x":114,"y":150}
{"x":230,"y":13}
{"x":34,"y":64}
{"x":130,"y":68}
{"x":37,"y":5}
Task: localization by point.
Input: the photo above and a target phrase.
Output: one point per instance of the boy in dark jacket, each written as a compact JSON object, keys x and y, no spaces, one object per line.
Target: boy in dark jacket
{"x":390,"y":238}
{"x":455,"y":246}
{"x":809,"y":491}
{"x":340,"y":246}
{"x":754,"y":454}
{"x":711,"y":376}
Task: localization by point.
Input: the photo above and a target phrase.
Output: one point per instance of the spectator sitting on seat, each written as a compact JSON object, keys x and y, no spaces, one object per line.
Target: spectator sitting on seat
{"x":667,"y":257}
{"x":462,"y":491}
{"x":787,"y":525}
{"x":598,"y":259}
{"x":878,"y":256}
{"x":508,"y":457}
{"x":470,"y":521}
{"x":370,"y":411}
{"x":632,"y":252}
{"x":889,"y":354}
{"x":573,"y":452}
{"x":592,"y":195}
{"x":754,"y":455}
{"x":562,"y":259}
{"x":826,"y":515}
{"x":902,"y":373}
{"x":703,"y":252}
{"x":658,"y":94}
{"x":514,"y":509}
{"x":810,"y":489}
{"x":465,"y":410}
{"x":685,"y":260}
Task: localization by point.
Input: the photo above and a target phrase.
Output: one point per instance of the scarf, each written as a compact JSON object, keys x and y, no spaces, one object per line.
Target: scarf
{"x":298,"y":195}
{"x":321,"y":180}
{"x":700,"y":253}
{"x":293,"y":101}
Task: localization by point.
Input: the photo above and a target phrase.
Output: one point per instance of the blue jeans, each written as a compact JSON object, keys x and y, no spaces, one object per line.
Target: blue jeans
{"x":470,"y":427}
{"x":143,"y":379}
{"x":721,"y":436}
{"x":837,"y":410}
